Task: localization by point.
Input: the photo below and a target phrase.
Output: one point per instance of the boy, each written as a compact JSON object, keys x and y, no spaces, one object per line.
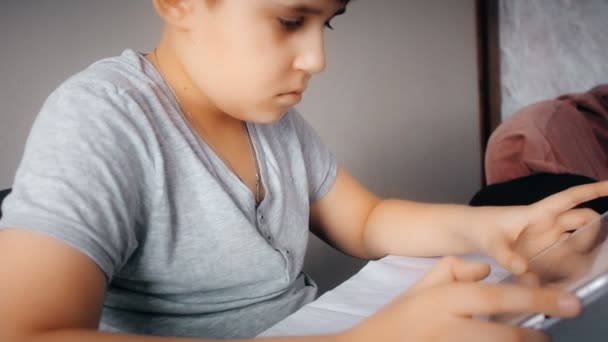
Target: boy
{"x":171,"y":195}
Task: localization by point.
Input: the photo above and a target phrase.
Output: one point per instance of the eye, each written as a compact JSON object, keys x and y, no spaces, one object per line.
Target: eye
{"x":291,"y":24}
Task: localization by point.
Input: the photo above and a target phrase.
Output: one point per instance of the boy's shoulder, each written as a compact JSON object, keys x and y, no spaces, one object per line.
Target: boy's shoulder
{"x":118,"y":74}
{"x":110,"y":91}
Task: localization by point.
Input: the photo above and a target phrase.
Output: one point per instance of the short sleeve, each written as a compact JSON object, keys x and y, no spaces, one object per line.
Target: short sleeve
{"x":80,"y":179}
{"x":321,"y":164}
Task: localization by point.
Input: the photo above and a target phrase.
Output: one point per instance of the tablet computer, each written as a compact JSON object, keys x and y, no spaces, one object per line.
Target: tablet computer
{"x":577,"y":263}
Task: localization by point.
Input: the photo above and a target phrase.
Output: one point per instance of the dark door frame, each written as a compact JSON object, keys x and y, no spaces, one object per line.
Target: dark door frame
{"x":488,"y":53}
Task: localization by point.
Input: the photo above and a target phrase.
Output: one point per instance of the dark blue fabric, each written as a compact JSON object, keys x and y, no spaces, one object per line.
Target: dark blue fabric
{"x":3,"y":194}
{"x":533,"y":188}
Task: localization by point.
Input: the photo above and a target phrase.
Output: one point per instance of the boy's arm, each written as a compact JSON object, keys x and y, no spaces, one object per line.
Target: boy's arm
{"x":357,"y":222}
{"x":50,"y":292}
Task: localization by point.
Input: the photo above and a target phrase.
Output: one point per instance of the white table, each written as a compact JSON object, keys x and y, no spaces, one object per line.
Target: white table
{"x":362,"y":295}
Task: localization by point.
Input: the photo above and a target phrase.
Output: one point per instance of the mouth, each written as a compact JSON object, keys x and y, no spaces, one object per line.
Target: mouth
{"x":291,"y":98}
{"x":294,"y":92}
{"x":291,"y":94}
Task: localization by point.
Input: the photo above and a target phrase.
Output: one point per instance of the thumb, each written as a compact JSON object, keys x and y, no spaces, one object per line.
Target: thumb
{"x":505,"y":256}
{"x":452,"y":269}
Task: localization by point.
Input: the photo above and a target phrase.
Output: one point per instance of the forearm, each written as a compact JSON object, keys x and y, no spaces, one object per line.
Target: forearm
{"x":95,"y":336}
{"x":407,"y":228}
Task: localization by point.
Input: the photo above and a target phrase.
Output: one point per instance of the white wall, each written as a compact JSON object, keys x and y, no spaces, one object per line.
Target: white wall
{"x":398,"y":103}
{"x":551,"y":47}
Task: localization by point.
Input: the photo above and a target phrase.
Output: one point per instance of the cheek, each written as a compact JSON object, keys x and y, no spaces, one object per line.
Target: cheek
{"x":258,"y":72}
{"x":255,"y":50}
{"x":239,"y":70}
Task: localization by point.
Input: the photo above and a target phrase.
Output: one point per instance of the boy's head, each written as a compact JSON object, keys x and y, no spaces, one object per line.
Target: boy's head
{"x":251,"y":59}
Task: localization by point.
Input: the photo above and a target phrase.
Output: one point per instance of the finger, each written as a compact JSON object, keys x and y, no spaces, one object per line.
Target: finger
{"x":479,"y":298}
{"x":575,"y":219}
{"x":452,"y":269}
{"x":504,"y":254}
{"x":462,"y":270}
{"x":489,"y":331}
{"x":570,"y":198}
{"x":586,"y":240}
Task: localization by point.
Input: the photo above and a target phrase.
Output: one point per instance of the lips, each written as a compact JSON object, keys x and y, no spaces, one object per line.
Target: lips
{"x":290,"y":98}
{"x":294,"y":92}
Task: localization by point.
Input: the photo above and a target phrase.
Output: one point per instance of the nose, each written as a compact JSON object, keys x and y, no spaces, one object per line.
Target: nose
{"x":310,"y":57}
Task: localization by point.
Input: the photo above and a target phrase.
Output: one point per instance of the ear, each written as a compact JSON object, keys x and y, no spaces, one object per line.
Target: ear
{"x":175,"y":12}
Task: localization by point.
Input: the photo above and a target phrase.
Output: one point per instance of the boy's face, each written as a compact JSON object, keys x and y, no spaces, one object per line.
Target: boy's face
{"x":253,"y":59}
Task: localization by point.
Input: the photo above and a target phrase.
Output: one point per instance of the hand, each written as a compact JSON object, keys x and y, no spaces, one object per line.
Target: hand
{"x":567,"y":260}
{"x":440,"y":307}
{"x":512,"y":235}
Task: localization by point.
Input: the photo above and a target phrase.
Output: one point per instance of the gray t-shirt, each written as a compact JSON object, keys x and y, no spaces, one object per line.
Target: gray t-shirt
{"x":112,"y":168}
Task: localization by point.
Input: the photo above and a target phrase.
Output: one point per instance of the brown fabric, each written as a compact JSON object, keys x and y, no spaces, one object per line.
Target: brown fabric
{"x":565,"y":135}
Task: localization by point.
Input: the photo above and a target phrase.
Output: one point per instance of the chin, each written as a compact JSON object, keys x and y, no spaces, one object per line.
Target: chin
{"x":269,"y":119}
{"x":268,"y":116}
